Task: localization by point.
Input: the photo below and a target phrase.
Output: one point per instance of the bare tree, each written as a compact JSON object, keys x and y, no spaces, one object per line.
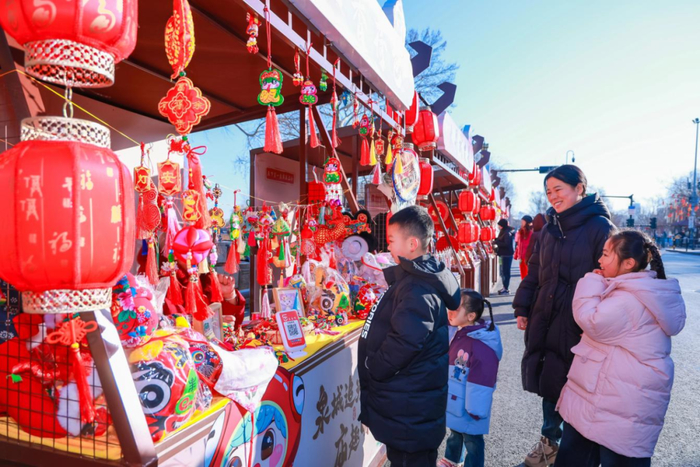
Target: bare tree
{"x":426,"y":84}
{"x":538,"y":202}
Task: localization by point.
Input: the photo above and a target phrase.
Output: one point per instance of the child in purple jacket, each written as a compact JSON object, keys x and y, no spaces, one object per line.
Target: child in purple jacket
{"x":475,"y":351}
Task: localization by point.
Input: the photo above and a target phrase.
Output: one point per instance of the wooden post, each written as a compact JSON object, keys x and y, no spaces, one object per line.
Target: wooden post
{"x":356,"y":167}
{"x":352,"y":200}
{"x":449,"y":238}
{"x":303,"y":189}
{"x":253,"y":287}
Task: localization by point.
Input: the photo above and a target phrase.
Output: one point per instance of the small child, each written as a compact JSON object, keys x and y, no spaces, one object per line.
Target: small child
{"x":620,"y":381}
{"x":475,"y":351}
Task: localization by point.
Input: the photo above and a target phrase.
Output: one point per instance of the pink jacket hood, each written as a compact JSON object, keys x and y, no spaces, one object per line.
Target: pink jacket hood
{"x":661,"y":297}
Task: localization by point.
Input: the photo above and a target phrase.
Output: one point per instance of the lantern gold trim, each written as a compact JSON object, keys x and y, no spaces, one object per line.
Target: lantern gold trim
{"x":66,"y":301}
{"x":69,"y":63}
{"x":65,"y":129}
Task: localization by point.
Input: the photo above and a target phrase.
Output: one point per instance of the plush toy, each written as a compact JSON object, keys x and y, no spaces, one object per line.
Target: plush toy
{"x":166,"y":381}
{"x":366,"y":298}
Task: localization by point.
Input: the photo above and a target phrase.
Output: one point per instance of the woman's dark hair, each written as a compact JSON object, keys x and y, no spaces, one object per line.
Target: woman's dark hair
{"x":569,"y":174}
{"x":474,"y":302}
{"x":639,"y":247}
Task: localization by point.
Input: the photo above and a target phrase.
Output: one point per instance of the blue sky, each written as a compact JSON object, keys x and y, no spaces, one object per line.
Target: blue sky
{"x":616,"y":81}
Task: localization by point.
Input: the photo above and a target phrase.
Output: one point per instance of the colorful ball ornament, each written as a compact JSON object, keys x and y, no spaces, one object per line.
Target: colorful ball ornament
{"x":191,"y":239}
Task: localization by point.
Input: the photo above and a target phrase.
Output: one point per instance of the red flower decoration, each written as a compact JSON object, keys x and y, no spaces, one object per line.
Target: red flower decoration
{"x":184,"y":106}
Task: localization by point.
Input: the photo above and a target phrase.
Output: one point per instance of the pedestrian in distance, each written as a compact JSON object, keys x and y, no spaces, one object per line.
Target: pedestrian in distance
{"x":505,"y":250}
{"x":620,"y":382}
{"x":522,"y":242}
{"x":475,"y":350}
{"x":537,"y":224}
{"x":403,"y":347}
{"x":570,"y":244}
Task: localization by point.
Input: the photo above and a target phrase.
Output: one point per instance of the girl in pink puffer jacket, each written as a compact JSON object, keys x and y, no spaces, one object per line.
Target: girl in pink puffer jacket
{"x":620,"y":381}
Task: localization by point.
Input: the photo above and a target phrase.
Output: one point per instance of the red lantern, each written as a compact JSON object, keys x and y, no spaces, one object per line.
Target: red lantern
{"x":468,"y":201}
{"x":426,"y":132}
{"x":70,"y":208}
{"x":467,"y":232}
{"x":75,"y":42}
{"x":487,"y":234}
{"x":411,"y":116}
{"x":426,"y":178}
{"x":487,"y":213}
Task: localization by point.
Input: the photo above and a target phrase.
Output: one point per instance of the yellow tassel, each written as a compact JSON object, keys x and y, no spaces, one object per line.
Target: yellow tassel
{"x":372,"y":154}
{"x":398,"y":166}
{"x":389,"y":159}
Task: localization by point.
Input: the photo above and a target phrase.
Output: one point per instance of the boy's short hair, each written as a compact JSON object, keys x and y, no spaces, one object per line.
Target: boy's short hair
{"x":416,"y":222}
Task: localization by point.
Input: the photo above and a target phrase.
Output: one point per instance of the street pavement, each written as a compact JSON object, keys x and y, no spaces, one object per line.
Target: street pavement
{"x":517,"y":415}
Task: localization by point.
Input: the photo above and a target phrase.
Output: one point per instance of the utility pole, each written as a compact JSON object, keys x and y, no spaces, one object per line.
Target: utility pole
{"x":694,"y":196}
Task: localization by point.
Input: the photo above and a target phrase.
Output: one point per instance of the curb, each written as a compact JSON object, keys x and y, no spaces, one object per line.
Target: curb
{"x":694,"y":253}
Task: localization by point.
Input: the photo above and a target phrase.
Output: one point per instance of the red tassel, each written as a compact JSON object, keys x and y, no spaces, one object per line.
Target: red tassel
{"x":377,"y":174}
{"x":191,"y":297}
{"x":172,"y":226}
{"x":216,"y":294}
{"x":231,"y":265}
{"x":364,"y":152}
{"x":175,"y":290}
{"x":263,"y":266}
{"x":273,"y":139}
{"x":142,"y":233}
{"x":202,"y":312}
{"x":152,"y":264}
{"x":197,"y":184}
{"x":313,"y":137}
{"x":87,"y":407}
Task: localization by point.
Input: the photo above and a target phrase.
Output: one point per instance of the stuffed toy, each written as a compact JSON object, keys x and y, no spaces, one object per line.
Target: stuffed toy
{"x":133,"y":312}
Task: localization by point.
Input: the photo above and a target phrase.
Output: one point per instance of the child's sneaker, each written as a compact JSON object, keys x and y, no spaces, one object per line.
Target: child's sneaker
{"x":543,"y":454}
{"x":447,"y":463}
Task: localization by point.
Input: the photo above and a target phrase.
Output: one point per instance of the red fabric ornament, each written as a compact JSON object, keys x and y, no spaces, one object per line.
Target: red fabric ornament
{"x":179,"y":37}
{"x":174,"y":293}
{"x":196,"y":241}
{"x":74,"y":42}
{"x":169,"y":178}
{"x":184,"y":106}
{"x":78,"y":204}
{"x":313,"y":136}
{"x":142,"y":179}
{"x":264,"y":272}
{"x":216,"y":293}
{"x":196,"y":183}
{"x":232,"y":260}
{"x":317,"y":192}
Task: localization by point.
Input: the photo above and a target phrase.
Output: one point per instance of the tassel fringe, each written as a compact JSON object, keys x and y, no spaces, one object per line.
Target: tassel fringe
{"x":273,"y":139}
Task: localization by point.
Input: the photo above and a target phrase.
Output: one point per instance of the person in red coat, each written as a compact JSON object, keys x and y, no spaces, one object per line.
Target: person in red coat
{"x":522,"y":241}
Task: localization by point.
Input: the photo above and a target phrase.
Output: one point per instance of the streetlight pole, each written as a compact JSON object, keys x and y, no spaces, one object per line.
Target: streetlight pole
{"x":694,"y":196}
{"x":573,"y":156}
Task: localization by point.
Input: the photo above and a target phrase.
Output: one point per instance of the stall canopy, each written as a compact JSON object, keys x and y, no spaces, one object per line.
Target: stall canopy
{"x":369,"y":60}
{"x":454,"y":159}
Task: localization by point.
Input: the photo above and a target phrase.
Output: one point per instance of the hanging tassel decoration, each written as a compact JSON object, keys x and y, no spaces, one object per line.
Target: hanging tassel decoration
{"x":87,"y":408}
{"x":398,"y":165}
{"x":377,"y":175}
{"x":174,"y":293}
{"x":265,"y":310}
{"x":372,"y":154}
{"x":216,"y":293}
{"x":152,"y":262}
{"x":172,"y":226}
{"x":273,"y":138}
{"x":196,"y":183}
{"x":313,"y":137}
{"x":364,"y":153}
{"x":232,"y":260}
{"x":389,"y":159}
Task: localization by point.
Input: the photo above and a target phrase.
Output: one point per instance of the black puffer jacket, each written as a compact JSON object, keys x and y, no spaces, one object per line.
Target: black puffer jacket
{"x":569,"y":247}
{"x":505,"y":242}
{"x":402,"y":356}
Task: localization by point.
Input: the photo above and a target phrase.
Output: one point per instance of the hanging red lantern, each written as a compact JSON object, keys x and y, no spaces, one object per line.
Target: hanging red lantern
{"x":411,"y":116}
{"x":487,"y":213}
{"x":73,"y":42}
{"x":468,"y":201}
{"x":467,"y":233}
{"x":426,"y":132}
{"x":486,"y":234}
{"x":70,"y":205}
{"x":426,"y":178}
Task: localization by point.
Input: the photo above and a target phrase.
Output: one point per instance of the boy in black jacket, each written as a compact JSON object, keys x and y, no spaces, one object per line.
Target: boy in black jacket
{"x":402,"y":353}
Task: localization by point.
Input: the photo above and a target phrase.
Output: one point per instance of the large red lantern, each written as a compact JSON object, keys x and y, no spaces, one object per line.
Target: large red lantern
{"x":411,"y":116}
{"x":468,"y":201}
{"x":426,"y":132}
{"x":487,"y":234}
{"x":69,"y":205}
{"x":72,"y":42}
{"x":426,"y":178}
{"x":468,"y":232}
{"x":487,"y":213}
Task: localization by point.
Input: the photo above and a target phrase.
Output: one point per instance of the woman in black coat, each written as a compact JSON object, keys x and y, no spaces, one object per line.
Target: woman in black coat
{"x":569,"y":247}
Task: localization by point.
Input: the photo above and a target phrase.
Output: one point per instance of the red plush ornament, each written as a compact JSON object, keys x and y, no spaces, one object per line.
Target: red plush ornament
{"x":169,"y":178}
{"x":179,"y":37}
{"x":70,"y":41}
{"x":252,"y":30}
{"x":72,"y":231}
{"x":184,"y":106}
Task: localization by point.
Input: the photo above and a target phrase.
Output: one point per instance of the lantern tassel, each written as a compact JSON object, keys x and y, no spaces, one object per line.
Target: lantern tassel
{"x":364,"y":152}
{"x":313,"y":137}
{"x":377,"y":174}
{"x":87,"y":408}
{"x":273,"y":139}
{"x":372,"y":154}
{"x":143,"y":233}
{"x":389,"y":159}
{"x":175,"y":290}
{"x":232,"y":259}
{"x":398,"y":167}
{"x":152,"y":263}
{"x":216,"y":293}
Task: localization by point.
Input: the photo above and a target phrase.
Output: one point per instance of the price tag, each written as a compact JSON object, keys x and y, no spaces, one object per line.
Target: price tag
{"x":291,"y":331}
